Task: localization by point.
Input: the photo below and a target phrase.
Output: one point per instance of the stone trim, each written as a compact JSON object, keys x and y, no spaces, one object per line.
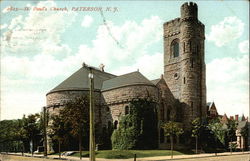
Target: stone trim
{"x":127,"y":85}
{"x":127,"y":101}
{"x":72,"y":89}
{"x":171,"y":34}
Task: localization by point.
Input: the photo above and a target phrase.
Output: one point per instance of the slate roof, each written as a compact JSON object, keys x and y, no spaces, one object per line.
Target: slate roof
{"x":241,"y":124}
{"x":133,"y":78}
{"x":80,"y":81}
{"x":155,"y":81}
{"x":102,"y":80}
{"x":209,"y":105}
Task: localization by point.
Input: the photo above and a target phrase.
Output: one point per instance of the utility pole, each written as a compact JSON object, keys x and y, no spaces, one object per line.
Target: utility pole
{"x":91,"y":117}
{"x":45,"y":130}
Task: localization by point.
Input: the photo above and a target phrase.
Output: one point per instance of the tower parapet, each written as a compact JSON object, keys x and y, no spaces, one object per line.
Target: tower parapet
{"x":189,"y":10}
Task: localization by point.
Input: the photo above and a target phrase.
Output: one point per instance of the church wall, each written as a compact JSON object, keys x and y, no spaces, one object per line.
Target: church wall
{"x":57,"y":100}
{"x":117,"y":99}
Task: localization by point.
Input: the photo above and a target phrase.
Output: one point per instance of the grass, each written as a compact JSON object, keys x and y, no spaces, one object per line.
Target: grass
{"x":125,"y":154}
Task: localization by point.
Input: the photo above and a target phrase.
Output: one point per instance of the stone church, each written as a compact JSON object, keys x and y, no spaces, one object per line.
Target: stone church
{"x":180,"y":92}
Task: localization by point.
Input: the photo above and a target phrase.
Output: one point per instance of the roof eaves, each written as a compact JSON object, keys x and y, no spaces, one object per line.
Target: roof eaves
{"x":127,"y":85}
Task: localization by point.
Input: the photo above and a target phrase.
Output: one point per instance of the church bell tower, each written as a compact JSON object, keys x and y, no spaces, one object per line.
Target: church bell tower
{"x":184,"y":65}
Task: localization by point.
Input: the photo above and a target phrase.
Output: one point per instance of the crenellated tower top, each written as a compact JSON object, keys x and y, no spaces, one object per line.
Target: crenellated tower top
{"x":189,"y":10}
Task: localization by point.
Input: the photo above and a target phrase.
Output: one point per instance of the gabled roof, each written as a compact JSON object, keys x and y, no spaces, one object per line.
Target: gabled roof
{"x":155,"y":81}
{"x":133,"y":78}
{"x":210,"y":104}
{"x":80,"y":81}
{"x":241,"y":124}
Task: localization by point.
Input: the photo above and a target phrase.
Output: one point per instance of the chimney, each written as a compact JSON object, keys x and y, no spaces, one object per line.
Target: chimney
{"x":236,"y":117}
{"x":231,"y":118}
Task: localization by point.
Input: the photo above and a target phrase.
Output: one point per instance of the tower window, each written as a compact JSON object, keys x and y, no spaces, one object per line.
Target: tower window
{"x":190,"y":46}
{"x":192,"y":63}
{"x":183,"y":46}
{"x":175,"y":48}
{"x":126,"y":110}
{"x":115,"y":124}
{"x":192,"y":108}
{"x":184,"y":80}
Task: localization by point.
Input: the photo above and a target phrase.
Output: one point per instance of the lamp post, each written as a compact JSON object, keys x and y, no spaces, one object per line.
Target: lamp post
{"x":45,"y":130}
{"x":91,"y":117}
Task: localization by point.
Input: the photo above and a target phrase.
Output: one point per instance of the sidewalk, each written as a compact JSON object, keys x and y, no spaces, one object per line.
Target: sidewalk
{"x":157,"y":158}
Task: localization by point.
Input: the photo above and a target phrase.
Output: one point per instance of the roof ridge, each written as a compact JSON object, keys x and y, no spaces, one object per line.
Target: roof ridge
{"x":131,"y":78}
{"x":95,"y":68}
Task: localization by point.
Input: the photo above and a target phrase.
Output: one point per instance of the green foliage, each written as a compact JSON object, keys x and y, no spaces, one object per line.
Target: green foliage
{"x":218,"y":130}
{"x":233,"y":146}
{"x":196,"y":127}
{"x":244,"y":131}
{"x":138,"y":129}
{"x":71,"y":125}
{"x":15,"y":135}
{"x":230,"y":133}
{"x":231,"y":128}
{"x":76,"y":113}
{"x":172,"y":128}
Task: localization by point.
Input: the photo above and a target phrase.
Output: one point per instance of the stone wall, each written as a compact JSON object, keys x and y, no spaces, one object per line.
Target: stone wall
{"x":57,"y":100}
{"x":117,"y":99}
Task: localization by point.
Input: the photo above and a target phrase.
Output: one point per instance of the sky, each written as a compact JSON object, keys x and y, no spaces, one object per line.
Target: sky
{"x":44,"y":42}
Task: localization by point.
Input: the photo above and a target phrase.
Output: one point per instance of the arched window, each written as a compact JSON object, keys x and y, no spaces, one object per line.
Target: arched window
{"x":126,"y":110}
{"x":168,"y":114}
{"x":115,"y":124}
{"x":184,"y":46}
{"x":192,"y":63}
{"x":175,"y":48}
{"x":125,"y":124}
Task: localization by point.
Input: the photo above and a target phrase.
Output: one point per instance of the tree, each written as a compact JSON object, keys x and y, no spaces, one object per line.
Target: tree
{"x":172,"y":129}
{"x":218,"y":131}
{"x":138,"y":128}
{"x":244,"y":134}
{"x":10,"y":138}
{"x":232,"y":125}
{"x":196,"y":129}
{"x":31,"y":130}
{"x":15,"y":135}
{"x":58,"y":130}
{"x":72,"y":121}
{"x":76,"y":113}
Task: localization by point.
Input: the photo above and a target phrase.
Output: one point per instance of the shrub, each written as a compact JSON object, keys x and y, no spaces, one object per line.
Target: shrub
{"x":138,"y":129}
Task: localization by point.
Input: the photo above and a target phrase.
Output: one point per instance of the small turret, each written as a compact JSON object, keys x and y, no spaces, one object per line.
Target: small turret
{"x":189,"y":10}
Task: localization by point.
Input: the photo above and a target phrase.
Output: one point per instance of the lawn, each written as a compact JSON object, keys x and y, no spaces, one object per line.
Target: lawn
{"x":125,"y":154}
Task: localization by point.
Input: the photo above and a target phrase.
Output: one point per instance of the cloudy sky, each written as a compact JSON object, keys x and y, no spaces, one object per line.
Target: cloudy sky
{"x":42,"y":43}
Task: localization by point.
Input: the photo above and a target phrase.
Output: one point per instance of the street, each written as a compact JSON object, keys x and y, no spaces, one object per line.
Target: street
{"x":201,"y":157}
